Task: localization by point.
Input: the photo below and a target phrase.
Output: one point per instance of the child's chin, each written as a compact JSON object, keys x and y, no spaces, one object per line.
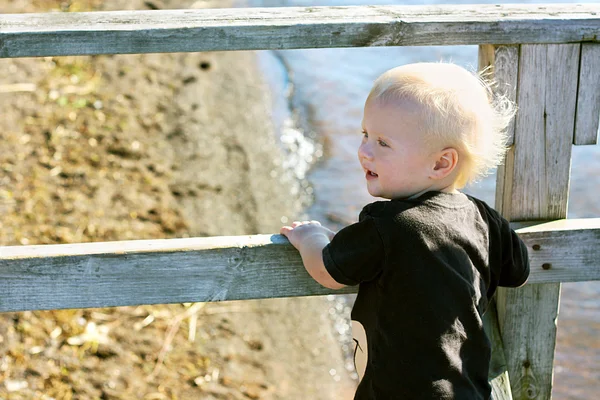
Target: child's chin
{"x":375,"y":193}
{"x":380,"y":194}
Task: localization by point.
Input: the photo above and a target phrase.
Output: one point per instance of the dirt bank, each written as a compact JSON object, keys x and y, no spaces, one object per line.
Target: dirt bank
{"x":151,"y":146}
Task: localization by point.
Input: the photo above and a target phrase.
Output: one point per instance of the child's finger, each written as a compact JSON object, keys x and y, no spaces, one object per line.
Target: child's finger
{"x":296,"y":223}
{"x":285,"y":230}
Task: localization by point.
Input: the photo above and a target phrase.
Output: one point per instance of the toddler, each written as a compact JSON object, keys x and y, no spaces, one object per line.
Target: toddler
{"x":429,"y":260}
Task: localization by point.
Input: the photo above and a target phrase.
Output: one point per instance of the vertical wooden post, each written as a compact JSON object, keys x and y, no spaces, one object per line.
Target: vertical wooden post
{"x":504,"y":61}
{"x":588,"y":97}
{"x":532,"y":185}
{"x":498,"y":373}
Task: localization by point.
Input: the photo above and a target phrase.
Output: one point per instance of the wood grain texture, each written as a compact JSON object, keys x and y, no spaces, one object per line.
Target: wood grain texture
{"x":546,"y":99}
{"x":500,"y":65}
{"x":535,"y":186}
{"x":498,"y":374}
{"x":109,"y":274}
{"x":563,"y":250}
{"x":528,"y":317}
{"x":588,"y":97}
{"x":503,"y":62}
{"x":152,"y":271}
{"x":126,"y":32}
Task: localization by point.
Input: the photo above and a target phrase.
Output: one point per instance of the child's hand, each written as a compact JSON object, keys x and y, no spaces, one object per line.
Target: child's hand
{"x":303,"y":231}
{"x":309,"y":237}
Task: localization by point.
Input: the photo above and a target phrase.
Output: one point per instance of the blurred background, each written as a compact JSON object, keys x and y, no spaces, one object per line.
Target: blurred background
{"x":206,"y":144}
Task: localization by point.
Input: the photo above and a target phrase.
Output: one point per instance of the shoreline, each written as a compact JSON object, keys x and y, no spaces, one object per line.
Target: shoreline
{"x":296,"y":137}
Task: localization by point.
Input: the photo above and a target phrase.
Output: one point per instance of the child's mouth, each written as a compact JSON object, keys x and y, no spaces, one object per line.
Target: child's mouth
{"x":371,"y":175}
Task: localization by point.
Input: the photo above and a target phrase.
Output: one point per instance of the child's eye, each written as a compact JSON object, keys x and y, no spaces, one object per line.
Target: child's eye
{"x":382,"y":143}
{"x":365,"y":134}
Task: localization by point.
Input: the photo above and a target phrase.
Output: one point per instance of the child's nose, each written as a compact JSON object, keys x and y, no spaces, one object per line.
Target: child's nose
{"x":364,"y":152}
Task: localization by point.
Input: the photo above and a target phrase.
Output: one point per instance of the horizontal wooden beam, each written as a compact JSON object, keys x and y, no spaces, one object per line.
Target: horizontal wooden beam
{"x":136,"y":272}
{"x":226,"y":268}
{"x":127,"y":32}
{"x":566,"y":250}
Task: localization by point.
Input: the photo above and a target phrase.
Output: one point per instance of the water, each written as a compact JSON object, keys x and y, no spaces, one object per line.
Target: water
{"x":330,"y":88}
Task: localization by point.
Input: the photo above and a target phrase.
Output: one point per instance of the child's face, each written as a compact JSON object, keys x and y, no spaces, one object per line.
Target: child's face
{"x":393,"y":153}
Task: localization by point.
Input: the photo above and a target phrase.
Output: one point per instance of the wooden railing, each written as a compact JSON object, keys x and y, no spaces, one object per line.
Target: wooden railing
{"x":136,"y":272}
{"x":121,"y":32}
{"x":546,"y":56}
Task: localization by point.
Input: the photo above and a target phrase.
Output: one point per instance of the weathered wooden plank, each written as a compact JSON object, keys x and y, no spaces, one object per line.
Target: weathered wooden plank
{"x":224,"y":268}
{"x":530,"y":353}
{"x":501,"y":64}
{"x":588,"y":98}
{"x":535,"y":186}
{"x":152,"y":271}
{"x":546,"y":100}
{"x":498,"y":374}
{"x":558,"y":250}
{"x":125,"y":32}
{"x":504,"y":64}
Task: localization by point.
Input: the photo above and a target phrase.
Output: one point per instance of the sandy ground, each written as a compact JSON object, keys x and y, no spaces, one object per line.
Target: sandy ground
{"x":151,"y":146}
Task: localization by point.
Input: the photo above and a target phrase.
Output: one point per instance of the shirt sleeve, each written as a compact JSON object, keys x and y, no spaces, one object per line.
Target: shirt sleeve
{"x":355,"y":254}
{"x":515,"y":259}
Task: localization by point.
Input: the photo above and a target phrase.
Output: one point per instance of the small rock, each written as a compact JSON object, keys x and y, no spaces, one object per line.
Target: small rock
{"x":15,"y":386}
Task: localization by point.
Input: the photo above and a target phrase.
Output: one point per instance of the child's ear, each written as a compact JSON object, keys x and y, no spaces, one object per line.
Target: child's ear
{"x":445,"y":162}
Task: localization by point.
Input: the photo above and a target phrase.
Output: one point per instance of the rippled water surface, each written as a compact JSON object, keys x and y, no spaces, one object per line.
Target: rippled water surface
{"x":330,"y":88}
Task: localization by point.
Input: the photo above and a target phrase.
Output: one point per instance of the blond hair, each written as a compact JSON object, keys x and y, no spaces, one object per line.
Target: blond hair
{"x":459,"y":110}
